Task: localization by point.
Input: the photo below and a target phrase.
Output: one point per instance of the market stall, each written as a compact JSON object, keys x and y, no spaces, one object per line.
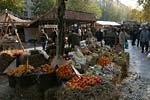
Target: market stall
{"x":10,"y":38}
{"x":100,"y":68}
{"x":110,"y":31}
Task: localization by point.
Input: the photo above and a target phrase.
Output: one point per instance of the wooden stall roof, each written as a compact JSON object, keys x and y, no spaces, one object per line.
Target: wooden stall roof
{"x":16,"y":20}
{"x":70,"y":17}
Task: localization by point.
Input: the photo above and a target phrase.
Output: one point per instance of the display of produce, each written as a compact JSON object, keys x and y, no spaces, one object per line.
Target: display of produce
{"x":83,"y":81}
{"x":109,"y":54}
{"x":96,"y":65}
{"x":65,"y":71}
{"x":21,"y":71}
{"x":47,"y":68}
{"x":14,"y":52}
{"x":17,"y":52}
{"x":85,"y":51}
{"x":103,"y":61}
{"x":110,"y":73}
{"x":67,"y":57}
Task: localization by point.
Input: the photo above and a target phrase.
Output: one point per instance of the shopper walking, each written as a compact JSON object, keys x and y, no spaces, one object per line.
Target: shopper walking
{"x":138,"y":37}
{"x":144,"y":38}
{"x":122,"y":38}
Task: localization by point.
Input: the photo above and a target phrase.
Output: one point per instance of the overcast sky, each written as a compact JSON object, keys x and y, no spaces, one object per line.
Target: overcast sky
{"x":130,"y":3}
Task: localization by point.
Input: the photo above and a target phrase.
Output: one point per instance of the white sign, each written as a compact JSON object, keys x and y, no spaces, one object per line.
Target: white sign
{"x":50,"y":26}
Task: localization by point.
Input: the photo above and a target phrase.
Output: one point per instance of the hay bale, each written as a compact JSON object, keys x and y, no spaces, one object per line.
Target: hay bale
{"x":117,"y":77}
{"x":102,"y":91}
{"x":50,"y":93}
{"x":123,"y":62}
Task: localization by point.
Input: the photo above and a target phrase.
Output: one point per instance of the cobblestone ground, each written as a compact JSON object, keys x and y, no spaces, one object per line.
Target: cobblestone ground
{"x":137,"y":85}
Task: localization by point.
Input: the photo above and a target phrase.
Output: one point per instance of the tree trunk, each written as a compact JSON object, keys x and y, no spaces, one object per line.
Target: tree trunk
{"x":58,"y":60}
{"x":61,"y":13}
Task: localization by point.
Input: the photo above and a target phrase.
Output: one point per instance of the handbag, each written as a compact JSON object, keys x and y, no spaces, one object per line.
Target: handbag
{"x":126,"y":44}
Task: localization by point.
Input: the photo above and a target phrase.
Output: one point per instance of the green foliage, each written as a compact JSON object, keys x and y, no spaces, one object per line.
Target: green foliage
{"x":146,"y":10}
{"x":135,"y":15}
{"x":41,"y":6}
{"x":14,"y":6}
{"x":113,"y":10}
{"x":89,"y":6}
{"x":146,"y":14}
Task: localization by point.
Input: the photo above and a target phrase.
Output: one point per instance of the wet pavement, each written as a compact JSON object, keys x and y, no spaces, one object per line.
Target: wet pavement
{"x":137,"y":85}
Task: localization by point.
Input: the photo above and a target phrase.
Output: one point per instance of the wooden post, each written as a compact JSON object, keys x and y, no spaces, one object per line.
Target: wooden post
{"x":15,"y":30}
{"x":9,"y":20}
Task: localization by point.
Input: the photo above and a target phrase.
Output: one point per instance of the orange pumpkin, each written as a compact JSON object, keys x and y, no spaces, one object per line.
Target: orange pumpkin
{"x":83,"y":81}
{"x":65,"y":71}
{"x":103,"y":61}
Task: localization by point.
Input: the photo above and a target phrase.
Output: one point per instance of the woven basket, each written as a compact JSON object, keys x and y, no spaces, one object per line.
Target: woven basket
{"x":12,"y":81}
{"x":29,"y":93}
{"x":26,"y":81}
{"x":46,"y":81}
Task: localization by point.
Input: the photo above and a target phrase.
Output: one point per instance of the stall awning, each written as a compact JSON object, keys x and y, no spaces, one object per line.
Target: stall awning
{"x":105,"y":23}
{"x":15,"y":20}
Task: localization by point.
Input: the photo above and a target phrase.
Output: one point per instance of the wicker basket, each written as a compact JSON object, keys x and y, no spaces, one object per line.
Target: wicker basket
{"x":12,"y":81}
{"x":29,"y":93}
{"x":46,"y":81}
{"x":26,"y":81}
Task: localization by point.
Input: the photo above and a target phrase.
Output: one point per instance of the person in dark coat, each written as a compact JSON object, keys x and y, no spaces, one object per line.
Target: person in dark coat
{"x":138,"y":36}
{"x":134,"y":35}
{"x":43,"y":39}
{"x":53,"y":36}
{"x":144,"y":38}
{"x":99,"y":35}
{"x":74,"y":39}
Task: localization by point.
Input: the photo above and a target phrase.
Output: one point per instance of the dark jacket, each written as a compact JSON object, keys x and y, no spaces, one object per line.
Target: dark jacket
{"x":144,"y":36}
{"x":99,"y":35}
{"x":43,"y":37}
